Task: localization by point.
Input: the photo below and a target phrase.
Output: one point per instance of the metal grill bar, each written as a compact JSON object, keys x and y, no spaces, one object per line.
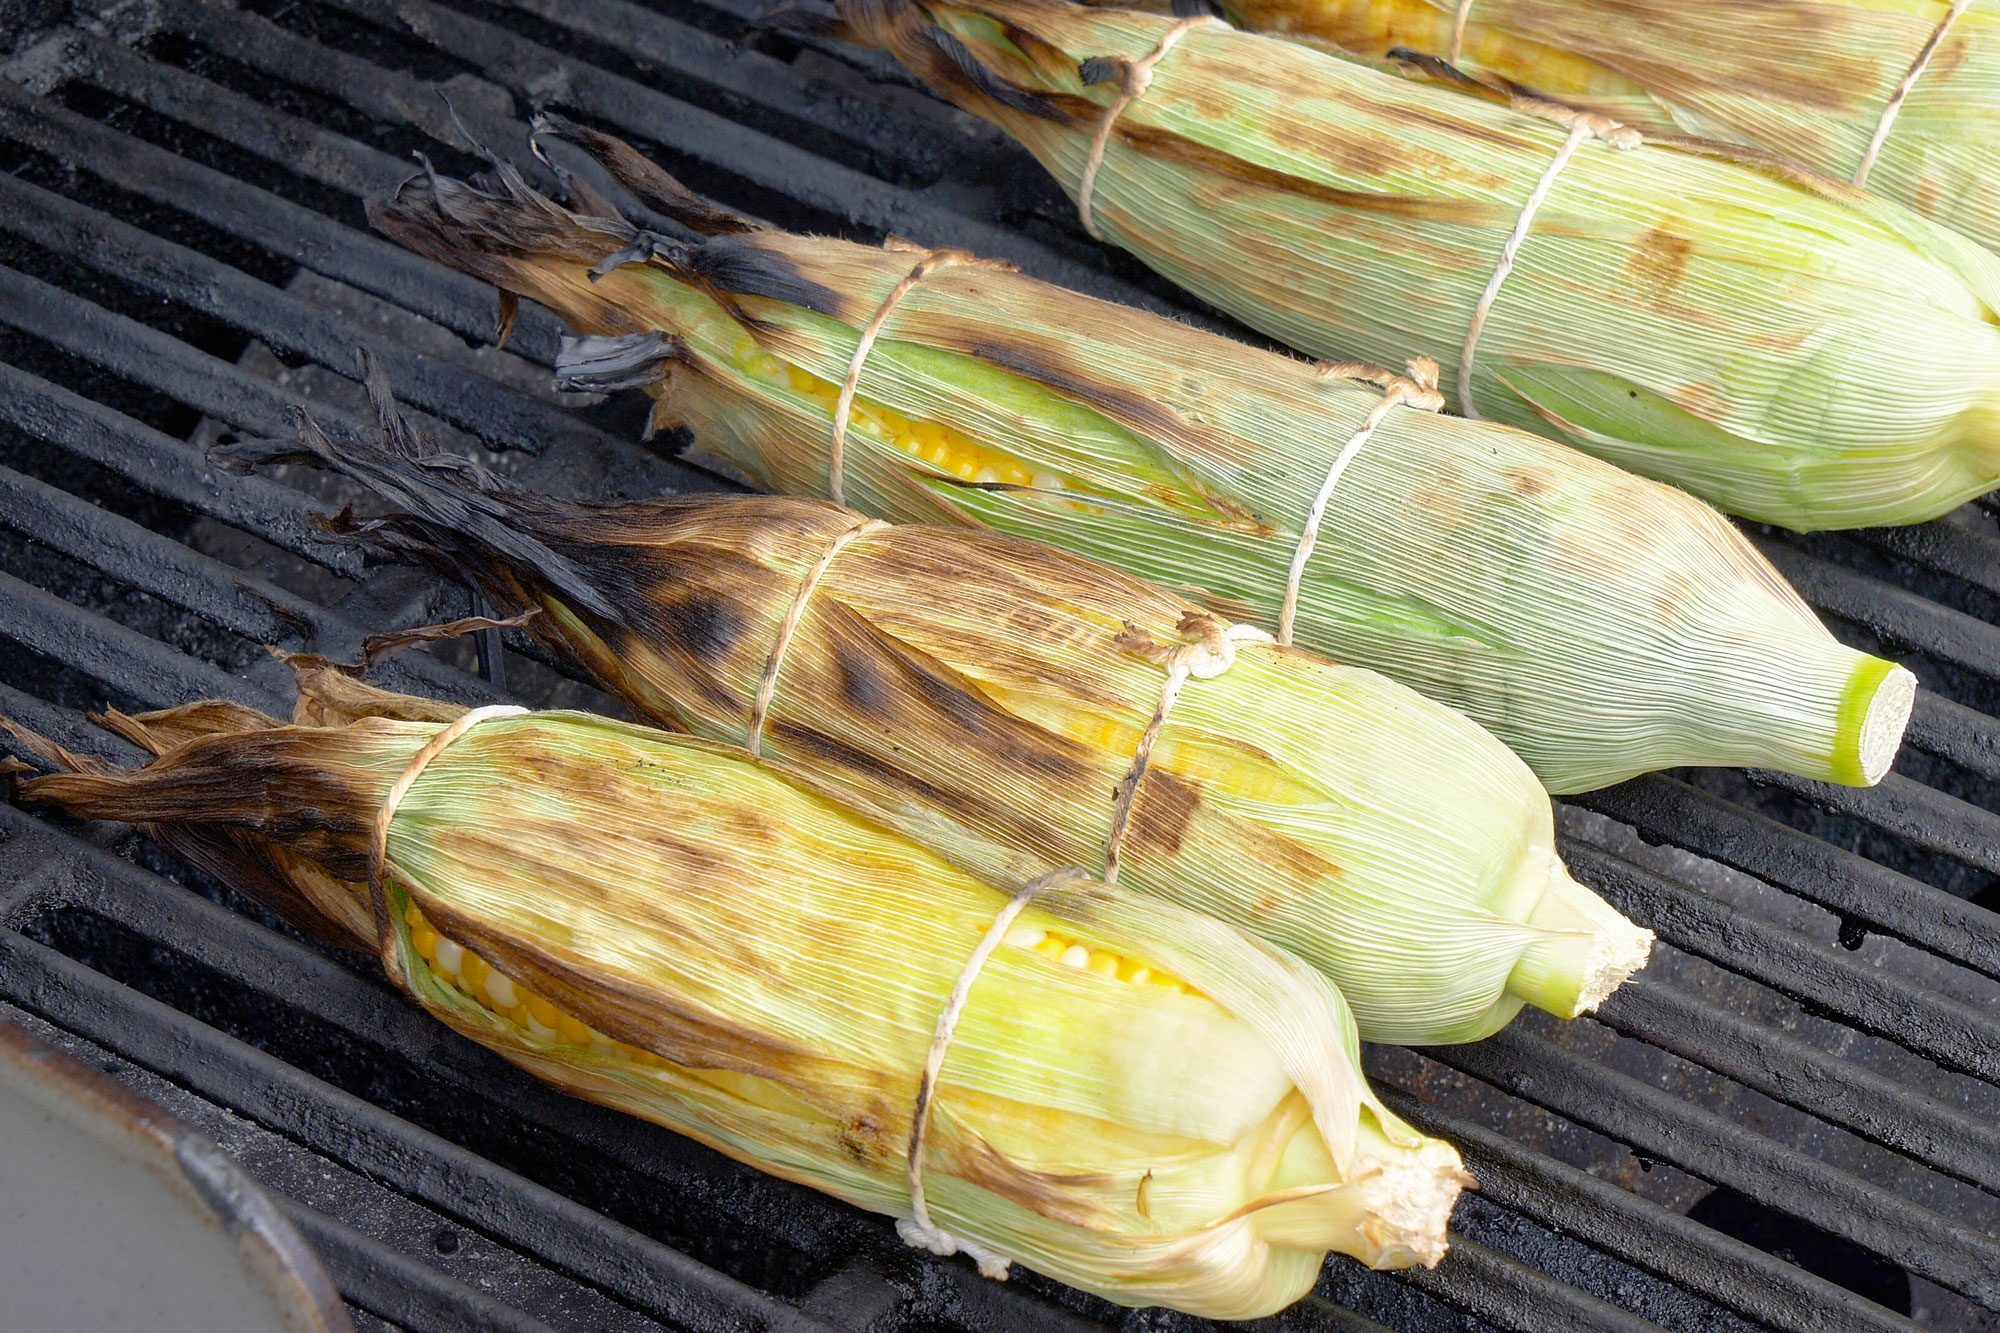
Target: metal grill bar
{"x":1921,"y":816}
{"x":1957,"y":544}
{"x":1952,"y":731}
{"x":1878,"y":1108}
{"x":1717,"y":1149}
{"x":287,"y":323}
{"x":1890,"y":613}
{"x":1662,"y":1242}
{"x":1672,"y":812}
{"x":296,"y":233}
{"x":161,"y":465}
{"x":1958,"y":1036}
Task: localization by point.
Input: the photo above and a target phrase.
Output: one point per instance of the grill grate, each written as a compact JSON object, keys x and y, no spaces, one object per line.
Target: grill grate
{"x":1792,"y":1120}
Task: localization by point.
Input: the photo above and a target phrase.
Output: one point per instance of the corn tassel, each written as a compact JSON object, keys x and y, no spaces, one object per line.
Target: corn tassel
{"x":673,"y":929}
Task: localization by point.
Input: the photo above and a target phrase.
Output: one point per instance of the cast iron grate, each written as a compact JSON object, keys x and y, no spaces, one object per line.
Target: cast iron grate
{"x":1792,"y":1120}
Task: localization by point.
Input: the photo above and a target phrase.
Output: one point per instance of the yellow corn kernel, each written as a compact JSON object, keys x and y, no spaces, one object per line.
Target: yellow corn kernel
{"x":412,"y":917}
{"x":1102,"y":963}
{"x":1138,"y":974}
{"x":542,"y":1011}
{"x":572,"y":1031}
{"x":1075,"y":956}
{"x":425,"y":941}
{"x":474,"y":971}
{"x":1050,"y":947}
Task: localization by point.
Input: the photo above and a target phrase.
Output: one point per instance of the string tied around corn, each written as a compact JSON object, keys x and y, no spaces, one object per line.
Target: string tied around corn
{"x":1418,"y":389}
{"x":1894,"y":106}
{"x":918,"y":1230}
{"x":1208,"y":649}
{"x":1582,"y":125}
{"x":1133,"y":77}
{"x":843,"y":407}
{"x":378,"y":842}
{"x":767,"y":685}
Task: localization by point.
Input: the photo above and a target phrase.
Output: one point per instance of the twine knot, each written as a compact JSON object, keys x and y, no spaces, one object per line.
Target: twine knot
{"x":1208,"y":648}
{"x":1418,"y":389}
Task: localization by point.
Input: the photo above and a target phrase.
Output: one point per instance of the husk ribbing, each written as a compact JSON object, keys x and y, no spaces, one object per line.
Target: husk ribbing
{"x":1790,"y":348}
{"x":1601,"y":624}
{"x":980,"y":694}
{"x":785,"y":960}
{"x":1807,"y":78}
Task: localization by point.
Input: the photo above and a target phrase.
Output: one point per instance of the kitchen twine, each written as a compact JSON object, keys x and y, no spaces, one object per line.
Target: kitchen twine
{"x":378,"y":850}
{"x":768,"y":686}
{"x":1582,"y":125}
{"x":1419,"y":390}
{"x":917,"y":1230}
{"x":1896,"y":99}
{"x":1134,"y":77}
{"x":843,"y":408}
{"x":1208,"y":655}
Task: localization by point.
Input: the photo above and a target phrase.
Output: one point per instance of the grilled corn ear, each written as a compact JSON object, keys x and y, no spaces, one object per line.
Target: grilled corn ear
{"x":1812,"y":79}
{"x":671,"y":928}
{"x":1602,"y":625}
{"x":988,"y":696}
{"x":1788,"y":347}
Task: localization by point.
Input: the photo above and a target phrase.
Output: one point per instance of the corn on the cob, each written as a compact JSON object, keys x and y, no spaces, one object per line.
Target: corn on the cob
{"x":673,"y":929}
{"x":1790,"y":348}
{"x":1816,"y":80}
{"x":1602,"y":625}
{"x":990,"y":696}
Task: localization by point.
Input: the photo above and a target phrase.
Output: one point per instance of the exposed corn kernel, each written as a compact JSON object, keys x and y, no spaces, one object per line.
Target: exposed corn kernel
{"x":474,"y":973}
{"x":502,"y":991}
{"x":1075,"y":956}
{"x":449,"y":957}
{"x":543,"y":1012}
{"x":572,"y":1031}
{"x":425,"y":941}
{"x":1103,"y":964}
{"x":412,"y":917}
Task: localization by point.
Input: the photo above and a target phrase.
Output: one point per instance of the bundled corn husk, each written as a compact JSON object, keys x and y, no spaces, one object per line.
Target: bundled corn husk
{"x":1812,"y":79}
{"x":987,"y":696}
{"x":1789,"y":347}
{"x":671,"y":928}
{"x":1601,"y":624}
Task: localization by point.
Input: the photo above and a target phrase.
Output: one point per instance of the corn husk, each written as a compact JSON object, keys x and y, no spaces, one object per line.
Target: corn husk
{"x":1601,"y":624}
{"x":1811,"y":79}
{"x":987,"y":695}
{"x":671,"y":928}
{"x":1788,"y":347}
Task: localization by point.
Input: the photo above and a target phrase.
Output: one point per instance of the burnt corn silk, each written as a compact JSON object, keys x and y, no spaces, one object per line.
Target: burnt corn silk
{"x":1787,"y":346}
{"x":1601,"y":624}
{"x":988,"y":696}
{"x":1816,"y":80}
{"x":671,"y":928}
